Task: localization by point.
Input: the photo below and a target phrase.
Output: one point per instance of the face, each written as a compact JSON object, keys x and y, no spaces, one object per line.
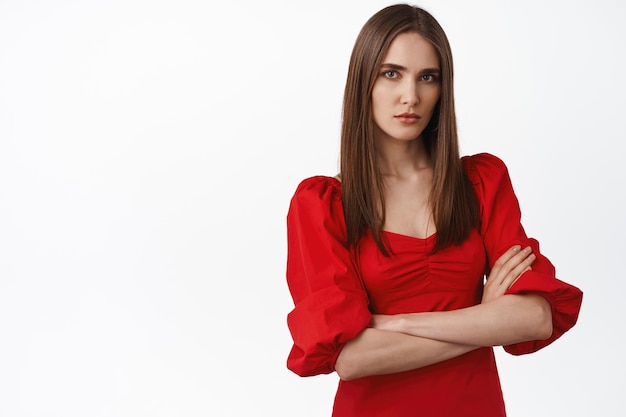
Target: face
{"x":406,"y":89}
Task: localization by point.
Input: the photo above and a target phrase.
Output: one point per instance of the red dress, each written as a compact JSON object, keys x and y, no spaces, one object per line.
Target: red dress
{"x":335,"y":291}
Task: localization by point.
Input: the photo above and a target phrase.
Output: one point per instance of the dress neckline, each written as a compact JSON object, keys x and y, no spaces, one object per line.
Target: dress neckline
{"x":409,"y":237}
{"x":389,"y":233}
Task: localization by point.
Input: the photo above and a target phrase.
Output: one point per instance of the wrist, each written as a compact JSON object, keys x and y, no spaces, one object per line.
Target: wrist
{"x":411,"y":323}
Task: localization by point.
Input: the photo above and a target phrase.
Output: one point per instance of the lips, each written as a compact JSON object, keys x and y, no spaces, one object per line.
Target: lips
{"x":408,"y":117}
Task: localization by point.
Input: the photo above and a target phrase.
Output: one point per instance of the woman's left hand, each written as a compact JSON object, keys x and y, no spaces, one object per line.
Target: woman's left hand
{"x":506,"y":270}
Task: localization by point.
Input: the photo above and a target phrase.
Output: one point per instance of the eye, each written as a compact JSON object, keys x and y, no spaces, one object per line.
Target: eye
{"x":429,"y":77}
{"x":391,"y":74}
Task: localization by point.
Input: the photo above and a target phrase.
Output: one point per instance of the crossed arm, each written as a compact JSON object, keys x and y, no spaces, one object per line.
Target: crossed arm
{"x":402,"y":342}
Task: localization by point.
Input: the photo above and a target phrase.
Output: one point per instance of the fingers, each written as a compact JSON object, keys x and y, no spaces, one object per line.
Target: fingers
{"x":517,"y":272}
{"x":507,"y":256}
{"x":506,"y":270}
{"x":512,"y":264}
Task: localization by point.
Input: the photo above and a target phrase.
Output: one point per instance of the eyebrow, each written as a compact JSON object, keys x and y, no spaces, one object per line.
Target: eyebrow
{"x":402,"y":68}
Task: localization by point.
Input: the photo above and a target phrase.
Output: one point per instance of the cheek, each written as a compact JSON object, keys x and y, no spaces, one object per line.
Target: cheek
{"x":383,"y":93}
{"x":377,"y":98}
{"x":433,"y":98}
{"x":378,"y":103}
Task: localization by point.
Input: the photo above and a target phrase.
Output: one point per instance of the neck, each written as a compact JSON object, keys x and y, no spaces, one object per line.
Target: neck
{"x":402,"y":159}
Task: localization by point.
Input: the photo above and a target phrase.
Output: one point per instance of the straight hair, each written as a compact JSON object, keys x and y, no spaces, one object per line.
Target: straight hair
{"x":452,"y":198}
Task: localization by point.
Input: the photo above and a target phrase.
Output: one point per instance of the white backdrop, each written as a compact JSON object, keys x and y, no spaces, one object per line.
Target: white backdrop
{"x":148,"y":152}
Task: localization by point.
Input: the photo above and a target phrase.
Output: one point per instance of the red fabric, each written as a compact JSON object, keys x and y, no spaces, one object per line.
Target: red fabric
{"x":331,"y":304}
{"x":335,"y":291}
{"x":501,"y":228}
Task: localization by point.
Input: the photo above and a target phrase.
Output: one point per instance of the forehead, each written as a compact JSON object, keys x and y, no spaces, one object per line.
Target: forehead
{"x":413,"y":51}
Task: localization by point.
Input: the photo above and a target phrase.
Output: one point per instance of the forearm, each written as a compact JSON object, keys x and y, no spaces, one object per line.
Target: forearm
{"x":507,"y":320}
{"x":379,"y":352}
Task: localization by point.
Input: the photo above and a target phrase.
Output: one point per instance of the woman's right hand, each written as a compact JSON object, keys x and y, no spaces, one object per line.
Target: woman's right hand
{"x":507,"y":269}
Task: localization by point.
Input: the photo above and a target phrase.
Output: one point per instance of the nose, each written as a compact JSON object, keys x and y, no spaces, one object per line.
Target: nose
{"x":410,"y":95}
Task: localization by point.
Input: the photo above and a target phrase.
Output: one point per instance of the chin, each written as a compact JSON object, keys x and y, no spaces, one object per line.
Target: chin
{"x":407,"y":138}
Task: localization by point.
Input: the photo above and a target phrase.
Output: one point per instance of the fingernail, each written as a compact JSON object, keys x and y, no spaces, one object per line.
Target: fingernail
{"x":517,"y":248}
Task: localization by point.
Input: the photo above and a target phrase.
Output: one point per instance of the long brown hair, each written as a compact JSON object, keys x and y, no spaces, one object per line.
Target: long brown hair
{"x":454,"y":204}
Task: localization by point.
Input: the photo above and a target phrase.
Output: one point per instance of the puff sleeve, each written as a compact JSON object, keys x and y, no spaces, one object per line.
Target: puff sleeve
{"x":331,"y":305}
{"x":500,"y":229}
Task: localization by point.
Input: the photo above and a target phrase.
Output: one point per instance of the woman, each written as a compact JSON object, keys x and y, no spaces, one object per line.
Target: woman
{"x":386,"y":262}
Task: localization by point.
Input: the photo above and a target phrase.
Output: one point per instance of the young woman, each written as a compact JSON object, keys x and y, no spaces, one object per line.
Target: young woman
{"x":387,"y":261}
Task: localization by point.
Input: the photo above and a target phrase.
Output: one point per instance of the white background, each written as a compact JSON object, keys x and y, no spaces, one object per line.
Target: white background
{"x":148,"y":152}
